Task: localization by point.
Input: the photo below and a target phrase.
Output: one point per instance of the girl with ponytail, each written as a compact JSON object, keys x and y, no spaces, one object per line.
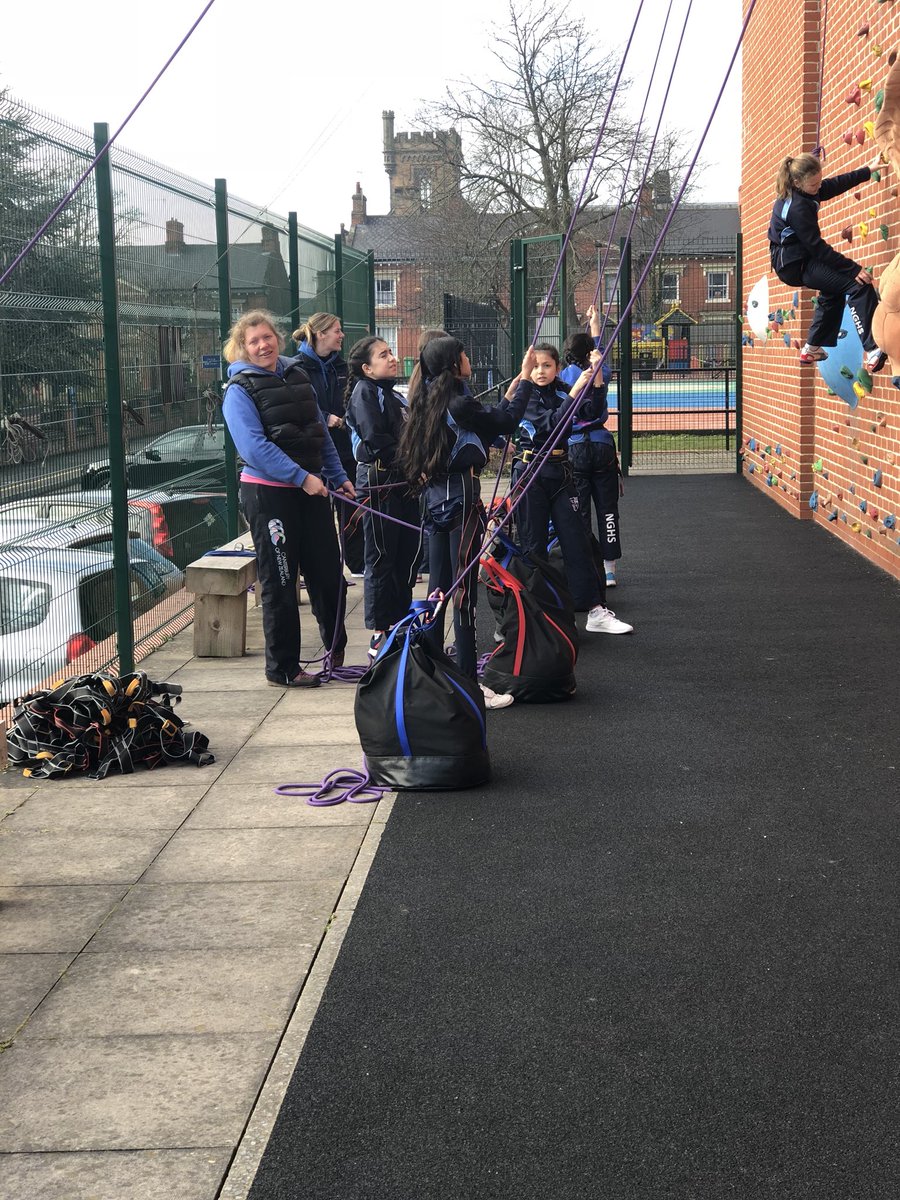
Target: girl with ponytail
{"x":442,"y":449}
{"x":802,"y":258}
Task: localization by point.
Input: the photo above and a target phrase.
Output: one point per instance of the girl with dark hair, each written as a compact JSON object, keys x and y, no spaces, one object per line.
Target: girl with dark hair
{"x":539,"y":404}
{"x":375,"y":414}
{"x":802,"y":258}
{"x":592,"y":450}
{"x":441,"y":448}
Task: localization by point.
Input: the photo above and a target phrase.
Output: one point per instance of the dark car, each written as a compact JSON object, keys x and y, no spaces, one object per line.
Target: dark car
{"x":179,"y":525}
{"x":192,"y":458}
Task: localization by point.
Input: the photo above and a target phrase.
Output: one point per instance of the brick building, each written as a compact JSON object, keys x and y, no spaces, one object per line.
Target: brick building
{"x":803,"y":446}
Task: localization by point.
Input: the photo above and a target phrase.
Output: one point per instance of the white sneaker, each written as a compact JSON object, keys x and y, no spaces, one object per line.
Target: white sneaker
{"x":496,"y":699}
{"x":603,"y":620}
{"x":498,"y":637}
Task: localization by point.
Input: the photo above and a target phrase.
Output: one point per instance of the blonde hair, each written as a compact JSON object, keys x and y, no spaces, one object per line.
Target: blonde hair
{"x":313,"y":326}
{"x":235,"y":349}
{"x":793,"y":171}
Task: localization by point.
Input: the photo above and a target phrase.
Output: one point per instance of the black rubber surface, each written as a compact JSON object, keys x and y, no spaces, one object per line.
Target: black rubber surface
{"x":660,"y":955}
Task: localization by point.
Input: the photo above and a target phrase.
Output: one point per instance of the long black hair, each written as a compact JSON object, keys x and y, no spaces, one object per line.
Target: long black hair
{"x":578,"y":349}
{"x":425,"y":443}
{"x":360,"y":355}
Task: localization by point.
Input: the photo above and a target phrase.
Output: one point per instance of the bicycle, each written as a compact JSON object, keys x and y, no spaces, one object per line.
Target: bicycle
{"x":22,"y":441}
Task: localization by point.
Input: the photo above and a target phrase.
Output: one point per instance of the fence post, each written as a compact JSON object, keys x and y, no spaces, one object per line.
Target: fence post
{"x":106,"y":229}
{"x":339,"y":276}
{"x":224,"y":268}
{"x":517,"y":293}
{"x":738,"y":352}
{"x":626,"y":408}
{"x":294,"y":268}
{"x":370,"y":263}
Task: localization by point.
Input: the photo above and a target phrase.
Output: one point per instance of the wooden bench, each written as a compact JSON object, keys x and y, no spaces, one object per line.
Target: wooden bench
{"x":219,"y":584}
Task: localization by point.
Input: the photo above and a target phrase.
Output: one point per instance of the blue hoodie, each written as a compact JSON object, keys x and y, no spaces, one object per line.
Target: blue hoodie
{"x":264,"y":460}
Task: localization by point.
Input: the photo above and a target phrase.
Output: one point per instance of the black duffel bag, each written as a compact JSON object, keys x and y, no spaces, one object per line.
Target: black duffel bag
{"x":420,"y":720}
{"x":536,"y":619}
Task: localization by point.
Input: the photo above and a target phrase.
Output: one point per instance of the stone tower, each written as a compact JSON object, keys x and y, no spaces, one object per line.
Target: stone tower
{"x":424,"y":168}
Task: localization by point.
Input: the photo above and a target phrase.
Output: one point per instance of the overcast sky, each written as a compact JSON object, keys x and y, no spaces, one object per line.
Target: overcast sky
{"x":288,"y":108}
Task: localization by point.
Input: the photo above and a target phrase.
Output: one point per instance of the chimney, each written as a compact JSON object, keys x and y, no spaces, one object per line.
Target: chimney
{"x":387,"y":121}
{"x":645,"y":201}
{"x":174,"y":236}
{"x":269,"y":240}
{"x":662,"y":189}
{"x":358,"y":214}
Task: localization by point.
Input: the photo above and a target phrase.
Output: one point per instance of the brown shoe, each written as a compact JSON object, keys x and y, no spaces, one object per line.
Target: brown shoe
{"x":337,"y":659}
{"x":301,"y":679}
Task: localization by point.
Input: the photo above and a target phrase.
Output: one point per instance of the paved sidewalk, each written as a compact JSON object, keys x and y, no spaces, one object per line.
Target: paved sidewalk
{"x":156,"y":931}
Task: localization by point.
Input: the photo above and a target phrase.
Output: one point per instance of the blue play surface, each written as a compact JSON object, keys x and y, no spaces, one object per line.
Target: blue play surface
{"x":675,"y":393}
{"x":840,"y":368}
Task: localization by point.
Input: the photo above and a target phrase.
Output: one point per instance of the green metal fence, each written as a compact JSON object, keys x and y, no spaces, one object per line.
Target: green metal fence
{"x":114,"y":463}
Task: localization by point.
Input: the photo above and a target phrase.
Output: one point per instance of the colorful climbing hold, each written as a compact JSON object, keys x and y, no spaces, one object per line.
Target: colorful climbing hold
{"x":865,"y":380}
{"x":814,"y":501}
{"x":890,"y":521}
{"x":778,"y":450}
{"x":863,"y":30}
{"x":787,"y":340}
{"x":876,"y":479}
{"x":832,"y":516}
{"x":879,"y":100}
{"x":751,"y":445}
{"x":877,"y":50}
{"x":818,"y":465}
{"x":846,"y":372}
{"x":884,"y":231}
{"x":876,"y":176}
{"x":847,"y":233}
{"x":863,"y":230}
{"x":795,"y":343}
{"x":796,"y":299}
{"x":869,"y":128}
{"x":864,"y":459}
{"x":860,"y":135}
{"x":863,"y":506}
{"x":873,"y":212}
{"x":848,"y":137}
{"x":854,"y":96}
{"x":859,"y":391}
{"x":866,"y":84}
{"x":873,"y":513}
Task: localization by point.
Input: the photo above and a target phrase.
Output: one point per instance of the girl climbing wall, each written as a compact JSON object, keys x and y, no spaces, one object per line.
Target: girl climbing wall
{"x":801,"y":257}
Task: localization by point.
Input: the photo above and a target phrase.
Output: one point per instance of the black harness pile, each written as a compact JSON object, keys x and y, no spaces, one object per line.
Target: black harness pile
{"x":101,"y":723}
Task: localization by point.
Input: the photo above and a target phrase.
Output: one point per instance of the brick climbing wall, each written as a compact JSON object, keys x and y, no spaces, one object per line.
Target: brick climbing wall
{"x":798,"y":440}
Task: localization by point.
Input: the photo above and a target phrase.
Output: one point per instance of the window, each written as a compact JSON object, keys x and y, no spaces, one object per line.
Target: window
{"x":716,"y":285}
{"x":425,"y":191}
{"x":388,"y":333}
{"x":23,"y":604}
{"x":610,"y":288}
{"x":385,"y":293}
{"x":668,"y":287}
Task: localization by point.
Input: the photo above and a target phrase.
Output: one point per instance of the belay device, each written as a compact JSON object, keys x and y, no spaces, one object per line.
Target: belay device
{"x":536,"y":618}
{"x":420,"y":720}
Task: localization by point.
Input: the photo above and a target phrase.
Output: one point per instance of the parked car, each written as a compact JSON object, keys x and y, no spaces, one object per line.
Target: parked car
{"x":191,"y":455}
{"x":55,"y":605}
{"x":180,"y":526}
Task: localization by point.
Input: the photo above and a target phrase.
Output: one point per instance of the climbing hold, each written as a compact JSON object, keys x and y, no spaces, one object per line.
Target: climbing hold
{"x":839,"y":495}
{"x":865,"y":380}
{"x":863,"y":230}
{"x":854,"y":96}
{"x":854,"y":442}
{"x":864,"y":459}
{"x":860,"y":136}
{"x":787,"y":340}
{"x":796,"y":299}
{"x":831,"y":392}
{"x":890,"y":521}
{"x":859,"y":391}
{"x":815,"y":301}
{"x":873,"y":212}
{"x":869,"y":128}
{"x":863,"y":506}
{"x":847,"y":233}
{"x":818,"y":465}
{"x":848,"y":137}
{"x":876,"y":176}
{"x":856,"y":527}
{"x":857,"y":195}
{"x":835,"y":428}
{"x":832,"y":516}
{"x":863,"y":30}
{"x":814,"y":501}
{"x":877,"y":51}
{"x":876,"y":479}
{"x":879,"y":100}
{"x":778,"y":450}
{"x":768,"y":450}
{"x":751,"y":445}
{"x":884,"y":231}
{"x":844,"y":518}
{"x":824,"y":474}
{"x":751,"y":469}
{"x":866,"y":84}
{"x":795,"y":343}
{"x":892,"y":58}
{"x":852,"y":489}
{"x":846,"y":372}
{"x":873,"y":513}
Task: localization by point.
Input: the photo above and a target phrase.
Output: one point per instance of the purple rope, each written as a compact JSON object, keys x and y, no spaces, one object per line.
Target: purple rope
{"x":587,"y":175}
{"x":337,"y":787}
{"x":67,"y":198}
{"x":662,"y":109}
{"x":634,"y":145}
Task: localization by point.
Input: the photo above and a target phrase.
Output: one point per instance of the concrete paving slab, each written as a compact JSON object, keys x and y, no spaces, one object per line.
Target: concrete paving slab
{"x":210,"y":855}
{"x":175,"y":774}
{"x":304,"y":726}
{"x":255,"y":806}
{"x":32,"y":857}
{"x":129,"y":1093}
{"x":185,"y":916}
{"x":173,"y":992}
{"x":53,"y":919}
{"x":115,"y":1175}
{"x":109,"y":807}
{"x":25,"y":979}
{"x":292,"y":764}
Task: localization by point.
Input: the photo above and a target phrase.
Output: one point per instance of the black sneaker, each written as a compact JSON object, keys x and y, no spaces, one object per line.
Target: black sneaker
{"x":375,"y":644}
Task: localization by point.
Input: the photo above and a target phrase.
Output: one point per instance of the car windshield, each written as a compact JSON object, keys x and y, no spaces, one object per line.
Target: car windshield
{"x":176,"y":442}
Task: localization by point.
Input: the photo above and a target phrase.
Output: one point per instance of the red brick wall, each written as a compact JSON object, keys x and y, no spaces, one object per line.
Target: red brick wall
{"x":798,"y":439}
